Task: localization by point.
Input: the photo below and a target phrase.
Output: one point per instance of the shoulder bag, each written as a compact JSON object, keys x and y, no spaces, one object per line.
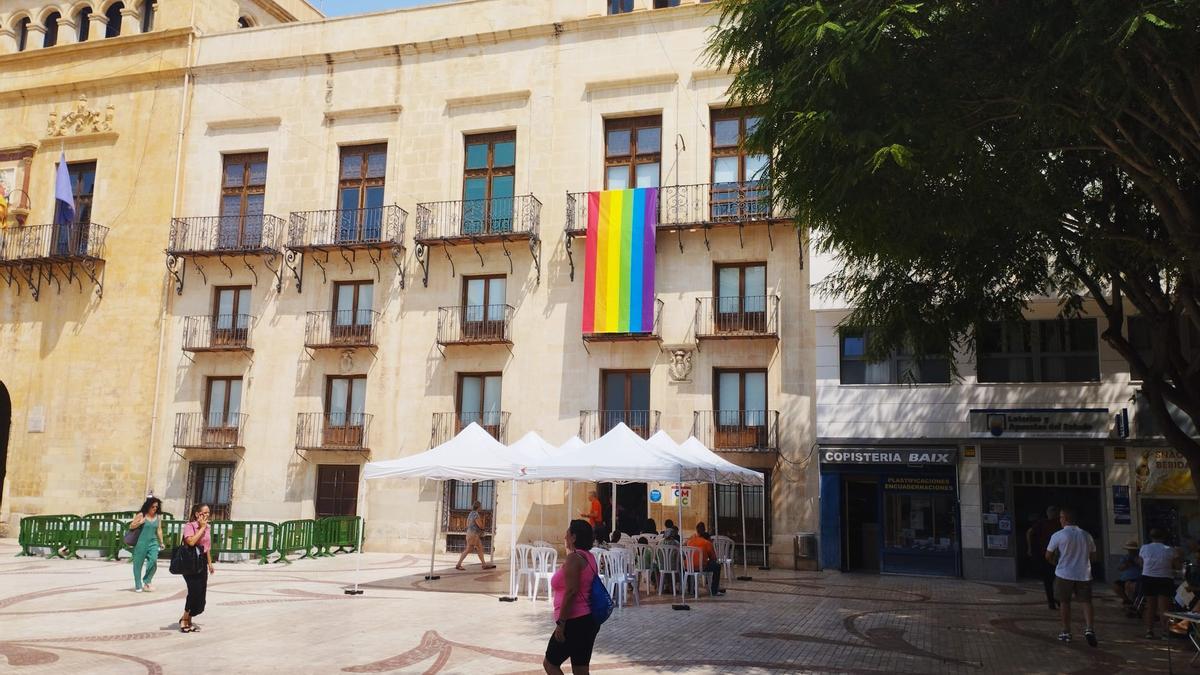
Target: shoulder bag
{"x":131,"y":535}
{"x":187,"y":559}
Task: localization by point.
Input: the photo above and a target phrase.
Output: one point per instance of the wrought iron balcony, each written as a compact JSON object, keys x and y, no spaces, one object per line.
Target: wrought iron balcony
{"x":31,"y":254}
{"x":737,"y":430}
{"x":653,"y":334}
{"x":469,"y":220}
{"x":377,"y":227}
{"x":225,"y":235}
{"x":222,"y":333}
{"x":595,"y":423}
{"x":701,"y":205}
{"x":340,"y":329}
{"x":475,"y":325}
{"x":52,"y":243}
{"x":222,"y":431}
{"x":333,"y":431}
{"x":737,"y":317}
{"x":446,"y":425}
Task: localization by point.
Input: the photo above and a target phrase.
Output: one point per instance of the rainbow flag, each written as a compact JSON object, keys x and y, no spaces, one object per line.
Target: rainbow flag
{"x":618,"y":285}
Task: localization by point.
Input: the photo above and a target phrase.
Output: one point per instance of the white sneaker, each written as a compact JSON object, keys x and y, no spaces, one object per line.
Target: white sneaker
{"x":137,"y":590}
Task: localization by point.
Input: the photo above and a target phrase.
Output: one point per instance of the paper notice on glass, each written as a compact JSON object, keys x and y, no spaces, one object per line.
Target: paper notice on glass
{"x":997,"y":542}
{"x":996,"y":507}
{"x":990,"y":518}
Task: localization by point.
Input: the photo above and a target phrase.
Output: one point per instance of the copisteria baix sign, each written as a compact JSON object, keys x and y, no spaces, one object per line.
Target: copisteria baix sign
{"x":901,"y":456}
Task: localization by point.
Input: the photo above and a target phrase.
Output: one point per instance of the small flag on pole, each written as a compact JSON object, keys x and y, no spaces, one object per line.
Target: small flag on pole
{"x":64,"y":198}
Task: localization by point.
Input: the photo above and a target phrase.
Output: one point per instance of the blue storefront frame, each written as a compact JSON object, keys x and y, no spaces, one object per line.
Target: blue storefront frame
{"x":892,"y":560}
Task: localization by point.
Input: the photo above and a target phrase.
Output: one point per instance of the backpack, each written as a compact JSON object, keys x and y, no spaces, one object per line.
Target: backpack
{"x":600,"y":601}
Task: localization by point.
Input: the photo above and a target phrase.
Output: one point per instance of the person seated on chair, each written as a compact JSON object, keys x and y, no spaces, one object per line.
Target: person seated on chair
{"x":706,"y":558}
{"x":672,"y":532}
{"x":616,"y":537}
{"x":650,"y":527}
{"x":1130,"y":570}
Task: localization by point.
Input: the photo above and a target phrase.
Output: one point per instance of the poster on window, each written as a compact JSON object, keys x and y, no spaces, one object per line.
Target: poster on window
{"x":1163,"y":472}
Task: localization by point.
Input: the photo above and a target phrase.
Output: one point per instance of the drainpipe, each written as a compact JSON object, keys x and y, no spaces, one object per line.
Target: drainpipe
{"x":164,"y":305}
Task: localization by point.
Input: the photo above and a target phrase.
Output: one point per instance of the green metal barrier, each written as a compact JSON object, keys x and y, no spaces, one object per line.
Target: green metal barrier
{"x":292,"y":536}
{"x":43,"y":532}
{"x":340,"y":532}
{"x":244,"y":536}
{"x":120,"y":515}
{"x":94,"y":535}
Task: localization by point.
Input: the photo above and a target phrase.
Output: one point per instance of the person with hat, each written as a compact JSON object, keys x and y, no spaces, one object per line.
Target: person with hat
{"x":1129,"y":571}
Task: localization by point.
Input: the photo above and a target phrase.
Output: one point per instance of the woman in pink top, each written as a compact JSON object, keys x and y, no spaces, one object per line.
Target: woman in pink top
{"x":196,"y":533}
{"x":575,"y":630}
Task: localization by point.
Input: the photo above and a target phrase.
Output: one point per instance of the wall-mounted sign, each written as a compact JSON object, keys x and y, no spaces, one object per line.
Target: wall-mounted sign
{"x":1035,"y":422}
{"x":656,"y":496}
{"x":1121,"y":512}
{"x":903,"y":456}
{"x":1163,"y":472}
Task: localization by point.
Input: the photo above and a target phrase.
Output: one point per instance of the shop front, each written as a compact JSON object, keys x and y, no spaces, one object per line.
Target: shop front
{"x":889,"y":509}
{"x":1166,"y":497}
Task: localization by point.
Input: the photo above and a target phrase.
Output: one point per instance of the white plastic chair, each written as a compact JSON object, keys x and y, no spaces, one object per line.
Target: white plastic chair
{"x":542,"y":544}
{"x":724,"y":547}
{"x":693,"y":572}
{"x":642,"y":564}
{"x":618,"y":576}
{"x":524,"y":563}
{"x":545,"y":561}
{"x":667,"y":557}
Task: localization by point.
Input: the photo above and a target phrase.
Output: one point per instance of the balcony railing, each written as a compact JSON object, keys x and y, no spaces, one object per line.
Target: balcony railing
{"x":737,"y":430}
{"x":333,"y":431}
{"x":49,"y":243}
{"x":737,"y":316}
{"x":222,"y":333}
{"x":216,"y":235}
{"x":475,"y":325}
{"x":446,"y":425}
{"x":473,"y":219}
{"x":654,"y":334}
{"x":702,"y":205}
{"x":375,"y":227}
{"x":595,"y":423}
{"x":213,"y":431}
{"x":343,"y":328}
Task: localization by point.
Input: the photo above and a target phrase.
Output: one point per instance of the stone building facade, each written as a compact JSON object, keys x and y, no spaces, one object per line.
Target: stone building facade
{"x":378,"y":236}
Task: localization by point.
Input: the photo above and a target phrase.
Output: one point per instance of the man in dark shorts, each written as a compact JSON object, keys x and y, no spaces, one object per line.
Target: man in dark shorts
{"x":1037,"y":538}
{"x":1071,"y":551}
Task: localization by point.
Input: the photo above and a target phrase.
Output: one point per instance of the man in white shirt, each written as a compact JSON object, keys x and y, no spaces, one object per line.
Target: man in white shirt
{"x":1071,"y":551}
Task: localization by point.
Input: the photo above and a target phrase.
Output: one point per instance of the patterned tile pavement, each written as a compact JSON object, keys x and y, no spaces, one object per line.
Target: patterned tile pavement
{"x":80,"y":616}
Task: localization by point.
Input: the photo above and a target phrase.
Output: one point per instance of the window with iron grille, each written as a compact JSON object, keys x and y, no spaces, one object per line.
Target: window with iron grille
{"x":243,"y":196}
{"x":361,"y":175}
{"x":211,"y":484}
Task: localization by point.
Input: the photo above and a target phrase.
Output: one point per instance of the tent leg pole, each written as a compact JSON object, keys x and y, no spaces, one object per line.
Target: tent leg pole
{"x":512,"y":548}
{"x":716,"y":517}
{"x":766,"y":564}
{"x":433,"y":548}
{"x":745,"y":547}
{"x":612,"y":527}
{"x":358,"y":557}
{"x":679,"y":526}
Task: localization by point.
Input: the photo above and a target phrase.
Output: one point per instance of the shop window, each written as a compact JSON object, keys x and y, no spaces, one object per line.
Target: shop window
{"x":489,"y":175}
{"x":901,"y":367}
{"x":920,"y":522}
{"x":997,"y":513}
{"x":1054,"y":350}
{"x":632,"y":152}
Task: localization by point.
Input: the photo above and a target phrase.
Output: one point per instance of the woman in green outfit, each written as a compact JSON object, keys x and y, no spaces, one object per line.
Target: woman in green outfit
{"x":149,"y":543}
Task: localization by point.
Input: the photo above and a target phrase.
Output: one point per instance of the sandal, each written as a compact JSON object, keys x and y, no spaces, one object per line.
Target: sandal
{"x":193,"y":628}
{"x":185,"y":629}
{"x":489,"y":567}
{"x":460,"y":568}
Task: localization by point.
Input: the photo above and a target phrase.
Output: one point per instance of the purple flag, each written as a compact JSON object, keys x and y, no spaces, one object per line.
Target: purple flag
{"x":64,"y":199}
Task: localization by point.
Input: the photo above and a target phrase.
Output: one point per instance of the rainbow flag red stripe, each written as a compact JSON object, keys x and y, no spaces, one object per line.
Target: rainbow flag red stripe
{"x":618,"y":283}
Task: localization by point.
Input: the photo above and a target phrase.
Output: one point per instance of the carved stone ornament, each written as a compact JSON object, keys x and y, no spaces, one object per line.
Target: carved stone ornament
{"x":80,"y":120}
{"x":347,"y":361}
{"x":680,"y":368}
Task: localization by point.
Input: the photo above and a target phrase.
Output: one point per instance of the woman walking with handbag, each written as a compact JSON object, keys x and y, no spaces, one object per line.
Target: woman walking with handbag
{"x":575,"y":629}
{"x":196,"y":534}
{"x":145,"y":534}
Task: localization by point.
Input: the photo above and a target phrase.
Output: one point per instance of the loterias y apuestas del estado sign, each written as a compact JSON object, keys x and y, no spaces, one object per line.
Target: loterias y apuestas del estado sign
{"x":945,"y":456}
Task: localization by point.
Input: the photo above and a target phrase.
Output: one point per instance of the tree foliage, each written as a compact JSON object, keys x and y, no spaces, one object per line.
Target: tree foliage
{"x":962,"y":158}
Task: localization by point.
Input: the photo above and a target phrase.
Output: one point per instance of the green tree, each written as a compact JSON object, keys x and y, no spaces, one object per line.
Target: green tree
{"x":961,"y":158}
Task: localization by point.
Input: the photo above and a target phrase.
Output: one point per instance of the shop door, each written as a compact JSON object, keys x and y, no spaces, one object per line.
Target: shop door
{"x":860,"y":524}
{"x":1030,"y":502}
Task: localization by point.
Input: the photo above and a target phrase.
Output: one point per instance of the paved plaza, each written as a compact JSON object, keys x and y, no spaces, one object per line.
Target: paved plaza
{"x":80,"y":616}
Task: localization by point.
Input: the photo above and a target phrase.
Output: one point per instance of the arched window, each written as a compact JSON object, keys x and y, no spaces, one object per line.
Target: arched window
{"x":148,"y":8}
{"x":51,"y":24}
{"x":83,"y":21}
{"x":114,"y":20}
{"x":23,"y":34}
{"x":244,"y":22}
